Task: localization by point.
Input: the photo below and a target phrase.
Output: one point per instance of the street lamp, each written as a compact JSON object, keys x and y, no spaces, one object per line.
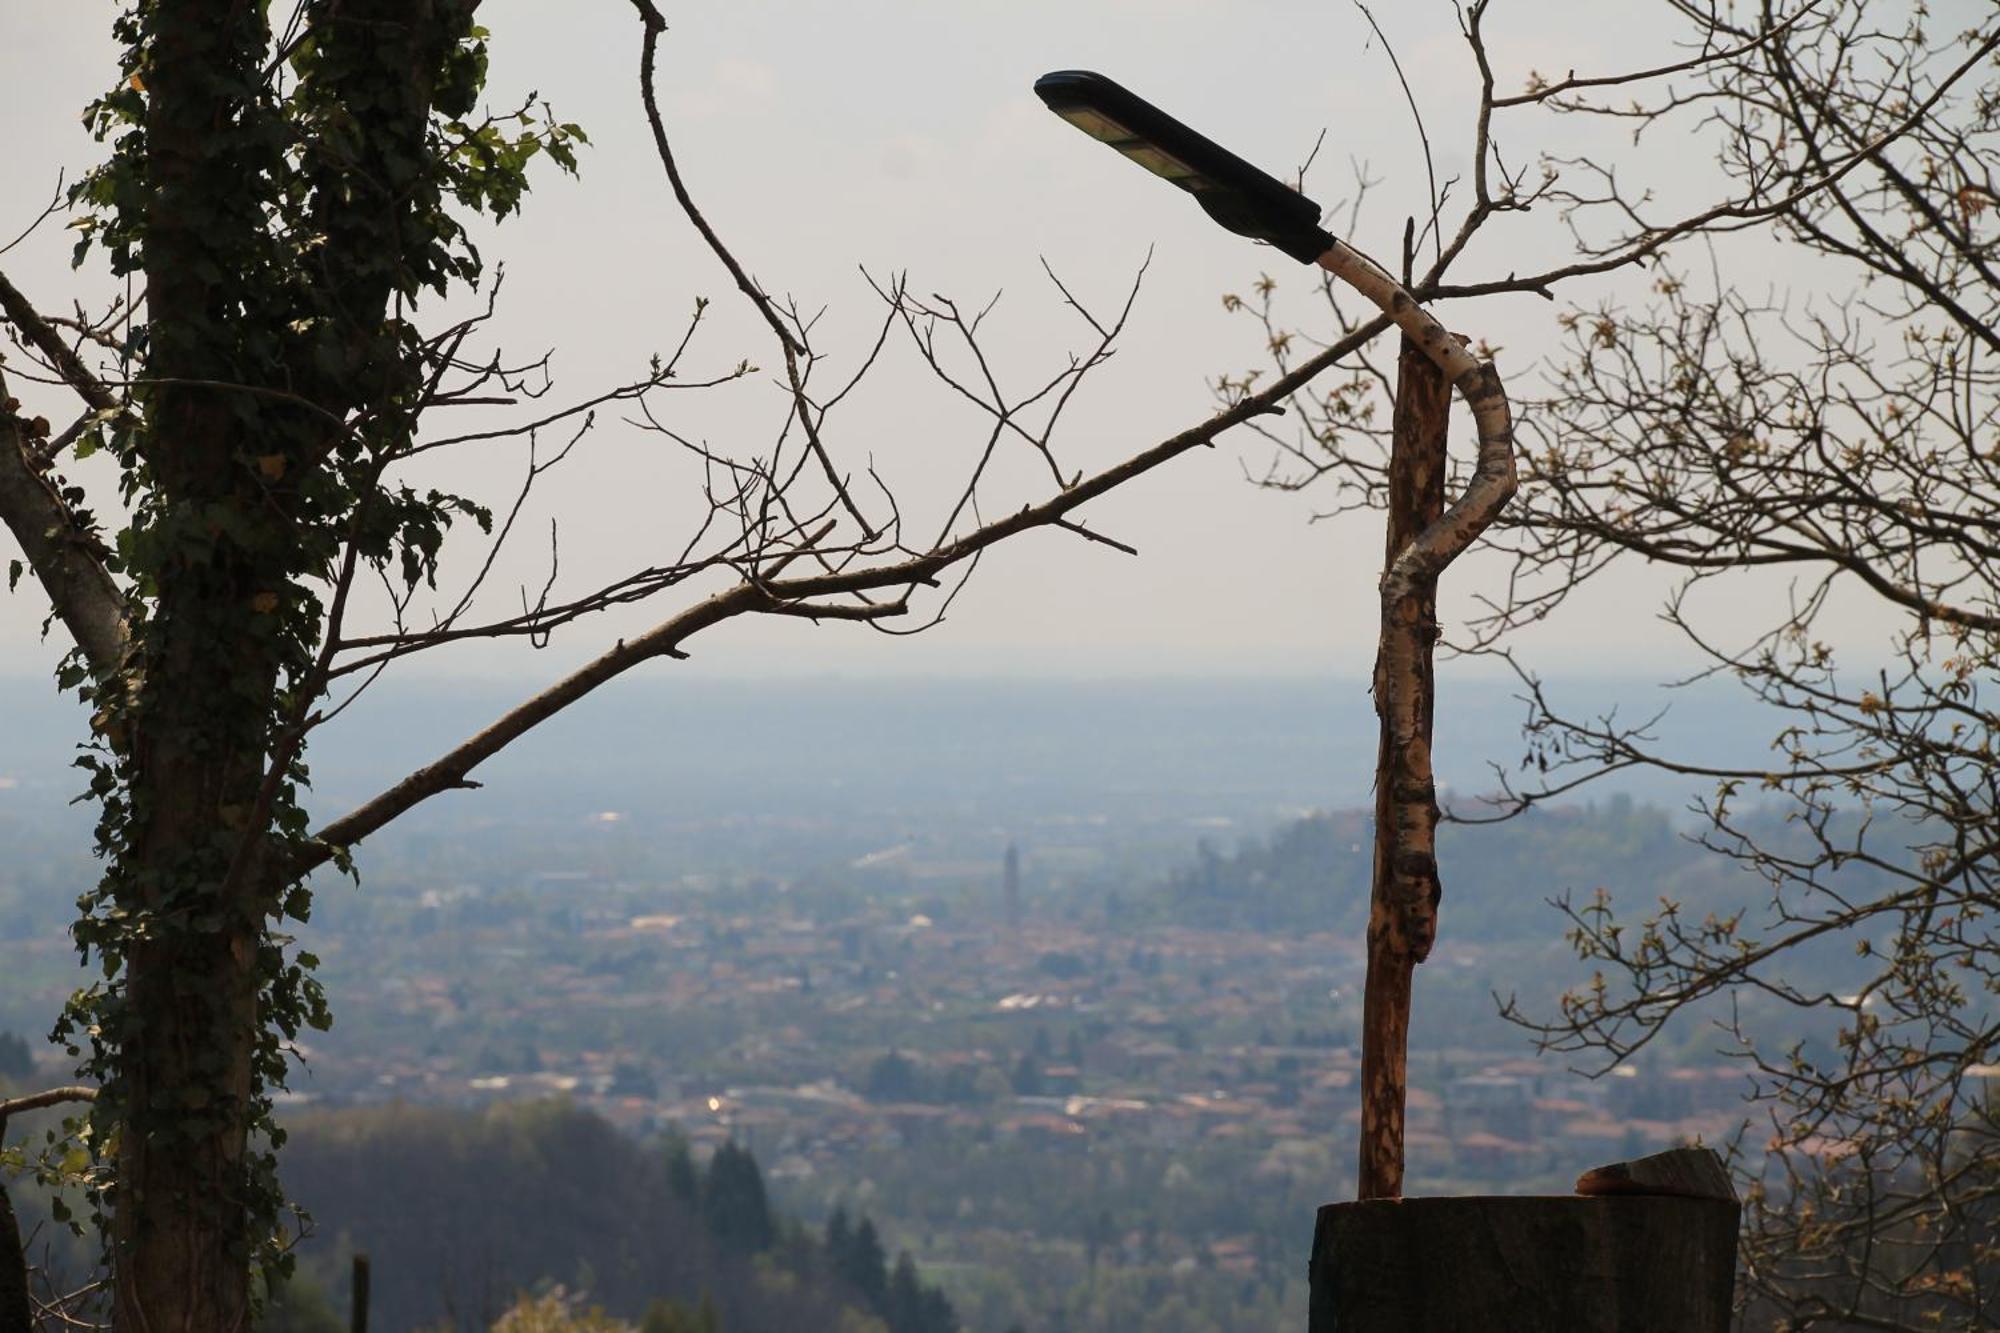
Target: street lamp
{"x":1402,"y":916}
{"x":1236,"y":194}
{"x":1371,"y":1264}
{"x":1251,"y":202}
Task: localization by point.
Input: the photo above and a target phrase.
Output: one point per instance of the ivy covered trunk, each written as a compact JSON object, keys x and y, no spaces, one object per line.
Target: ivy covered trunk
{"x":207,"y":663}
{"x":282,"y":203}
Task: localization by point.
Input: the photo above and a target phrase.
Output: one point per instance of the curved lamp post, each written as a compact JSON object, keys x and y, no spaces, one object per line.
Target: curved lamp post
{"x":1402,"y":920}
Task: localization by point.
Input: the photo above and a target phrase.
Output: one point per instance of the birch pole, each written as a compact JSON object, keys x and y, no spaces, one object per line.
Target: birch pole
{"x":1423,"y":538}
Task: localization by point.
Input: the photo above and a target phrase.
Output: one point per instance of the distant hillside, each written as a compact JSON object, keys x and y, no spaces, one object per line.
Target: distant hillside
{"x":460,"y":1211}
{"x":1498,"y":878}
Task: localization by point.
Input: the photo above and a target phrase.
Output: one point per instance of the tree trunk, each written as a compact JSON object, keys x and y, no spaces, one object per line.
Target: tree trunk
{"x":256,"y":361}
{"x":16,"y":1314}
{"x":208,"y":662}
{"x":357,"y":1299}
{"x":182,"y":1216}
{"x":1633,"y":1264}
{"x":1399,"y":933}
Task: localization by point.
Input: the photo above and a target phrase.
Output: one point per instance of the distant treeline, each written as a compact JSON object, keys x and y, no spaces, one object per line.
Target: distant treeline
{"x":1498,"y":878}
{"x":462,"y":1211}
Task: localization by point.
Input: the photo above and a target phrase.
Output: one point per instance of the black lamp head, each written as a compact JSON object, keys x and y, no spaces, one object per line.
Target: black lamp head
{"x":1237,"y":195}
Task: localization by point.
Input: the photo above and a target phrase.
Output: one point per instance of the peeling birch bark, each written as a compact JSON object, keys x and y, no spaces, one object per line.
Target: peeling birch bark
{"x":1415,"y":500}
{"x":1422,"y":541}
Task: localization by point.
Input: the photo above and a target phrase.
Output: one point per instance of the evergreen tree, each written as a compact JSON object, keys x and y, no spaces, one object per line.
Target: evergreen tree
{"x":893,"y":1078}
{"x":938,"y":1315}
{"x":1100,"y":1233}
{"x":733,"y":1202}
{"x":865,"y":1265}
{"x":904,"y":1306}
{"x":682,"y":1178}
{"x":839,"y":1238}
{"x":911,"y":1307}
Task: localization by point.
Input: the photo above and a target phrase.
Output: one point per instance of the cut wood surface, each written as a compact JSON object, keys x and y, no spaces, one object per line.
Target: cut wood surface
{"x":1694,"y":1173}
{"x":1627,"y":1264}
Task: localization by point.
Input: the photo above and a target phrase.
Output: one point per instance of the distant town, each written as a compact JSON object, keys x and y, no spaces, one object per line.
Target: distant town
{"x":1042,"y":1043}
{"x":885,"y":1027}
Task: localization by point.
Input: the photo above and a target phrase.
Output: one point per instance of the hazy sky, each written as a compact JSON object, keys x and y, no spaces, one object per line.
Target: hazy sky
{"x":824,"y":139}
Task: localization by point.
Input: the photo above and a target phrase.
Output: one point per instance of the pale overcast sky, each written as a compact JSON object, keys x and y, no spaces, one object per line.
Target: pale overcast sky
{"x":898,"y":134}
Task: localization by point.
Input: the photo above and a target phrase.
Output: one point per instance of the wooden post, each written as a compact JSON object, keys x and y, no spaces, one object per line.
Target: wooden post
{"x":357,"y":1310}
{"x":1400,"y":931}
{"x":1643,"y":1247}
{"x":1501,"y":1265}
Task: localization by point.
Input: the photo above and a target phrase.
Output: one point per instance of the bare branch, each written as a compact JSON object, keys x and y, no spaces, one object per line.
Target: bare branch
{"x":1705,"y":60}
{"x":65,"y":554}
{"x":36,"y":1101}
{"x":768,"y":596}
{"x":1097,"y":537}
{"x":793,"y":345}
{"x":49,"y":343}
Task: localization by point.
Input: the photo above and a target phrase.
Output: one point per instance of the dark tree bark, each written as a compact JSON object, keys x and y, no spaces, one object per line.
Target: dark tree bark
{"x":16,"y":1315}
{"x":17,"y":1309}
{"x":357,"y":1303}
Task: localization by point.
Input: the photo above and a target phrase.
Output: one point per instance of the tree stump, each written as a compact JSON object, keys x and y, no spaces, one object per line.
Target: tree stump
{"x":1610,"y":1262}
